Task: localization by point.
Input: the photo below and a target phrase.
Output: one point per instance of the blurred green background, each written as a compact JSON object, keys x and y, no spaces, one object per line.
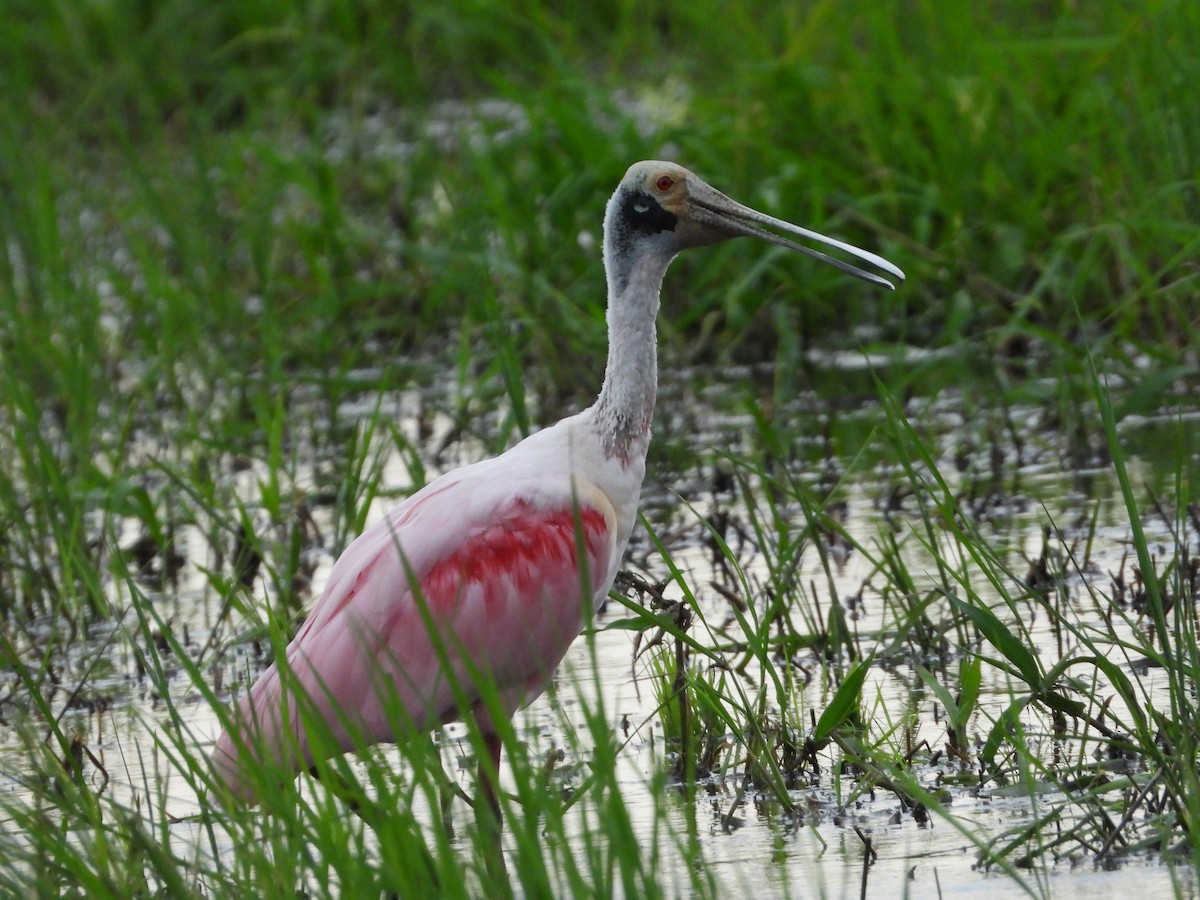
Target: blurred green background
{"x":375,"y":169}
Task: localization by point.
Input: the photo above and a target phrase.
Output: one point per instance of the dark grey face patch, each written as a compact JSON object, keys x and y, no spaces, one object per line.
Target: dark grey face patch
{"x":641,"y":213}
{"x":635,"y":219}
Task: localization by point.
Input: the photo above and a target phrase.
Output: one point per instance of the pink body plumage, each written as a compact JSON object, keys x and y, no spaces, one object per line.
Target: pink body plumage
{"x":502,"y":586}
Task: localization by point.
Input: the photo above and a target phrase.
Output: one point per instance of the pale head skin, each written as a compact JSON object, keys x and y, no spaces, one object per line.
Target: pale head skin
{"x":706,"y":216}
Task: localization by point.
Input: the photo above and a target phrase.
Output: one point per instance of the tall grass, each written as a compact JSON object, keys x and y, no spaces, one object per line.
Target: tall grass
{"x":257,"y":253}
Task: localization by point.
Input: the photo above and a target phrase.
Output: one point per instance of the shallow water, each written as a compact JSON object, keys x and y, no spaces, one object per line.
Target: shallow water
{"x":768,"y":851}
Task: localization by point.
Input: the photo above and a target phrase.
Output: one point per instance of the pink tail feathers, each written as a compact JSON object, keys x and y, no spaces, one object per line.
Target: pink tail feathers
{"x":255,"y":740}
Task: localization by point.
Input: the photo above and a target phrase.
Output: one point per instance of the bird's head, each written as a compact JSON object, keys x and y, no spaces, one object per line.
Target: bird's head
{"x":664,"y":205}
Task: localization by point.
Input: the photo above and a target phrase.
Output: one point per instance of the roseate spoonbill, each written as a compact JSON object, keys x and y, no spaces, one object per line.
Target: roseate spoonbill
{"x":487,"y":571}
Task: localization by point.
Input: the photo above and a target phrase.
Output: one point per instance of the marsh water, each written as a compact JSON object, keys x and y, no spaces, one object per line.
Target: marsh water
{"x":1018,"y":473}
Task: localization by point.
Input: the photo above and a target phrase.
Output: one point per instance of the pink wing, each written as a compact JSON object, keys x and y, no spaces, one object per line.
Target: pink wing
{"x":505,"y":594}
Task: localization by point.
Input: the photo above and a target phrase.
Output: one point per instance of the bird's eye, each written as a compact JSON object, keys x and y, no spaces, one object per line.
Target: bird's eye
{"x":664,"y":183}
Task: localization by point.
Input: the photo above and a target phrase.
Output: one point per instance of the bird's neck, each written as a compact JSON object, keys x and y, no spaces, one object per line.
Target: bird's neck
{"x":625,"y":407}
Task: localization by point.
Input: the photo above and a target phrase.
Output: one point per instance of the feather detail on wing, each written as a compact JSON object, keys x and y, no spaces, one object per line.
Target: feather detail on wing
{"x":450,"y":590}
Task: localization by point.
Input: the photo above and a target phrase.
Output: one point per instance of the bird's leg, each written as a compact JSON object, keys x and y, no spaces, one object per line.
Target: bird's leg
{"x":487,"y":809}
{"x":447,"y":789}
{"x":350,"y":793}
{"x":345,"y":791}
{"x":489,"y":774}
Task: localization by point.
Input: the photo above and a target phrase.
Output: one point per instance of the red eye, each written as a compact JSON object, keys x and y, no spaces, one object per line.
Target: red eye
{"x":664,"y":183}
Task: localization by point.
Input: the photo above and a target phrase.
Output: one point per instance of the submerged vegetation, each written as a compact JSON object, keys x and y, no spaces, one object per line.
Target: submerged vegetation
{"x":268,"y":265}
